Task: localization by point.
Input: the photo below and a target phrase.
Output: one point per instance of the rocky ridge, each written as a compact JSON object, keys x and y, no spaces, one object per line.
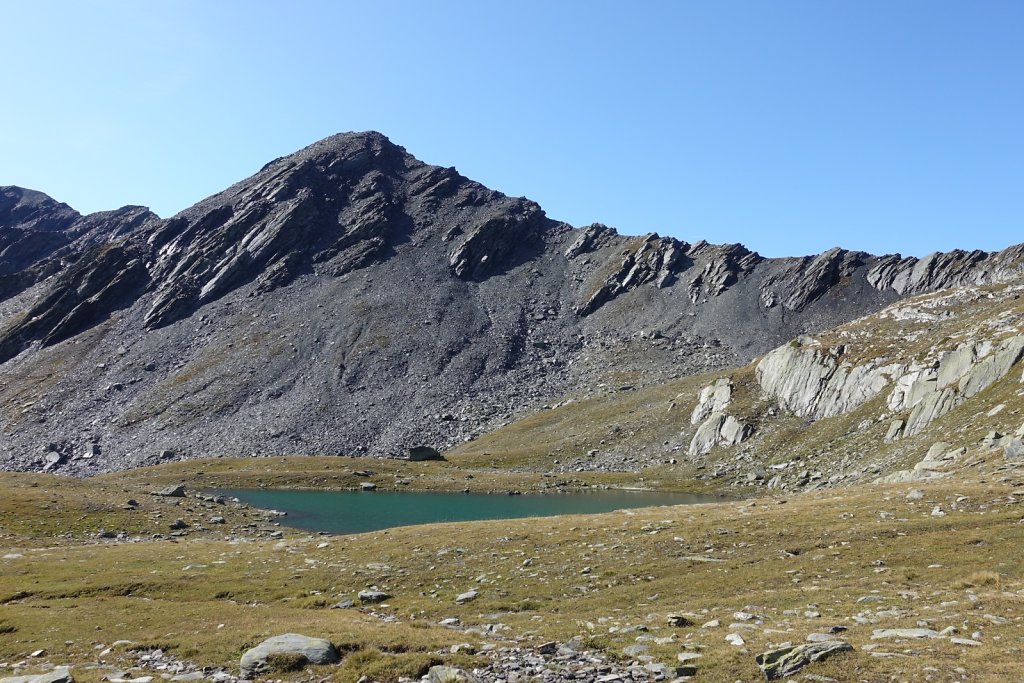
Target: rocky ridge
{"x":352,"y":299}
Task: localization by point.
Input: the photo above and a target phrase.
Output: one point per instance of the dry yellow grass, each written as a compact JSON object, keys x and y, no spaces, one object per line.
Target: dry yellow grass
{"x":861,"y":554}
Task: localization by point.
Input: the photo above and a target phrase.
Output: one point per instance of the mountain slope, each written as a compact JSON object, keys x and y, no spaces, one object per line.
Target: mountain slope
{"x":352,"y":299}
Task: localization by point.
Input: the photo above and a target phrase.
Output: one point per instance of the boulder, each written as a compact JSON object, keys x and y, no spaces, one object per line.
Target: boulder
{"x":422,"y":453}
{"x":303,"y":648}
{"x":53,"y":459}
{"x":706,"y":436}
{"x":175,"y":491}
{"x":373,"y":596}
{"x":466,"y":597}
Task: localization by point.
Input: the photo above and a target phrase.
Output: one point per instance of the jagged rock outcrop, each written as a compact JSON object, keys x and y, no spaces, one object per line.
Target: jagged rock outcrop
{"x":350,"y":298}
{"x":590,"y":238}
{"x":39,"y":237}
{"x":943,"y":270}
{"x":811,"y":277}
{"x":102,"y":280}
{"x":722,"y":267}
{"x":648,"y":259}
{"x":486,"y":245}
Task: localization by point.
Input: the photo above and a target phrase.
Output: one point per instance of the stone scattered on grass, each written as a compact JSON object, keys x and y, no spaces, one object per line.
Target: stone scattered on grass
{"x":881,"y":633}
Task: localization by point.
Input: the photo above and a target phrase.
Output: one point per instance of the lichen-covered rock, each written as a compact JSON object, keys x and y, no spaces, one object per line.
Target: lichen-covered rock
{"x":312,"y":650}
{"x":786,"y":661}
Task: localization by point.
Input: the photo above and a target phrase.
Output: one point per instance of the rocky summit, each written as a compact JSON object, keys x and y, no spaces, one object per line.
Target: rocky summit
{"x":351,"y":299}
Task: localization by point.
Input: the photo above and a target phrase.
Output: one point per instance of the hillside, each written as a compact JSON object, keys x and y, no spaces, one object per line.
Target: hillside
{"x":901,"y":395}
{"x":350,"y":299}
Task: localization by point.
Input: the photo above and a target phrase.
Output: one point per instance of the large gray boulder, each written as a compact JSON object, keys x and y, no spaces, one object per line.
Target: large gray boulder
{"x":311,"y":650}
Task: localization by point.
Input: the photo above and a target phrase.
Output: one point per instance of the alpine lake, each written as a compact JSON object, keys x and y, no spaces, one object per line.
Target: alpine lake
{"x":350,"y":512}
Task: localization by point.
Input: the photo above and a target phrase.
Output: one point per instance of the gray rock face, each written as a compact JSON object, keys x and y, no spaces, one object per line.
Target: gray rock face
{"x":313,"y":650}
{"x":713,"y":398}
{"x":932,"y":392}
{"x":716,"y":427}
{"x":345,"y":296}
{"x":941,"y":271}
{"x":784,"y":662}
{"x":813,"y":382}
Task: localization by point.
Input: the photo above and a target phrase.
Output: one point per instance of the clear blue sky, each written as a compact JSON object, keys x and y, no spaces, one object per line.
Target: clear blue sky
{"x":788,"y":126}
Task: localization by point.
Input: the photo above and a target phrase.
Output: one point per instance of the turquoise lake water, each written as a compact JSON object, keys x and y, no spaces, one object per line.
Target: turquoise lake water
{"x":347,"y":512}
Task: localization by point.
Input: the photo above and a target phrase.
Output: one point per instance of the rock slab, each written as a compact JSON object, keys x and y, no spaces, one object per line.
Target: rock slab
{"x":786,"y":661}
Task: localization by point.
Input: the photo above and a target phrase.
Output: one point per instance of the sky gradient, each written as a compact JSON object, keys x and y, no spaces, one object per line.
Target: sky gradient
{"x":788,"y":126}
